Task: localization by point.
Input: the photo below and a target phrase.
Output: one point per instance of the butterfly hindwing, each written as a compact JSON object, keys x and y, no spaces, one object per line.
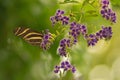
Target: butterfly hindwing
{"x":30,"y":36}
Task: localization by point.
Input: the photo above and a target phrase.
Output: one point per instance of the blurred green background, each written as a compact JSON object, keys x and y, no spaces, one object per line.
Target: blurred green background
{"x":22,"y":61}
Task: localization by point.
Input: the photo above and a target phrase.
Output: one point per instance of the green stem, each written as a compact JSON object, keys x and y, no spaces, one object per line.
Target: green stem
{"x":80,"y":17}
{"x":60,"y":76}
{"x":92,"y":5}
{"x":81,"y":9}
{"x":84,"y":3}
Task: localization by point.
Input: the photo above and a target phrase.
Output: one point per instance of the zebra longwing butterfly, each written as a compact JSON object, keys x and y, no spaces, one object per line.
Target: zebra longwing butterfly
{"x":30,"y":36}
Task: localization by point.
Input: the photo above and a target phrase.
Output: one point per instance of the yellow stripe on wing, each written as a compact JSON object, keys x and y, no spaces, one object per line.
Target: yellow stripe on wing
{"x":24,"y":31}
{"x":33,"y":38}
{"x":31,"y":33}
{"x":17,"y":30}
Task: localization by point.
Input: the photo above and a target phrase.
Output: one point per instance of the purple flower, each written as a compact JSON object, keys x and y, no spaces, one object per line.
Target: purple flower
{"x":91,"y":39}
{"x":73,"y":69}
{"x":74,"y":30}
{"x":62,"y":51}
{"x":59,"y":17}
{"x":46,"y":41}
{"x":53,"y":20}
{"x":64,"y":43}
{"x":83,"y":30}
{"x":99,"y":34}
{"x":65,"y":20}
{"x":106,"y":12}
{"x":77,"y":29}
{"x":65,"y":65}
{"x":59,"y":12}
{"x":107,"y":32}
{"x":57,"y":69}
{"x":105,"y":3}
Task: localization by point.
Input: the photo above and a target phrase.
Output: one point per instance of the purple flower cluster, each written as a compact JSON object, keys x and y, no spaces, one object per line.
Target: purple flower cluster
{"x":105,"y":32}
{"x":77,"y":29}
{"x":46,"y":41}
{"x":64,"y":43}
{"x":91,"y":39}
{"x":59,"y":16}
{"x":106,"y":12}
{"x":65,"y":65}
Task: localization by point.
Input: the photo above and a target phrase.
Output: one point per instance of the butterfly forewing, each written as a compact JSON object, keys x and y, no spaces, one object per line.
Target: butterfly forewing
{"x":30,"y":36}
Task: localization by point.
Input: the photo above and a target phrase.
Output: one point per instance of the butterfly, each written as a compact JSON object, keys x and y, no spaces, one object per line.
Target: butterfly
{"x":29,"y":35}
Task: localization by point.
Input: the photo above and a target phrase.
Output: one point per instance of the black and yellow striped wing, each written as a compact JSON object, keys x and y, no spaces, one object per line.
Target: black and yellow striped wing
{"x":30,"y":36}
